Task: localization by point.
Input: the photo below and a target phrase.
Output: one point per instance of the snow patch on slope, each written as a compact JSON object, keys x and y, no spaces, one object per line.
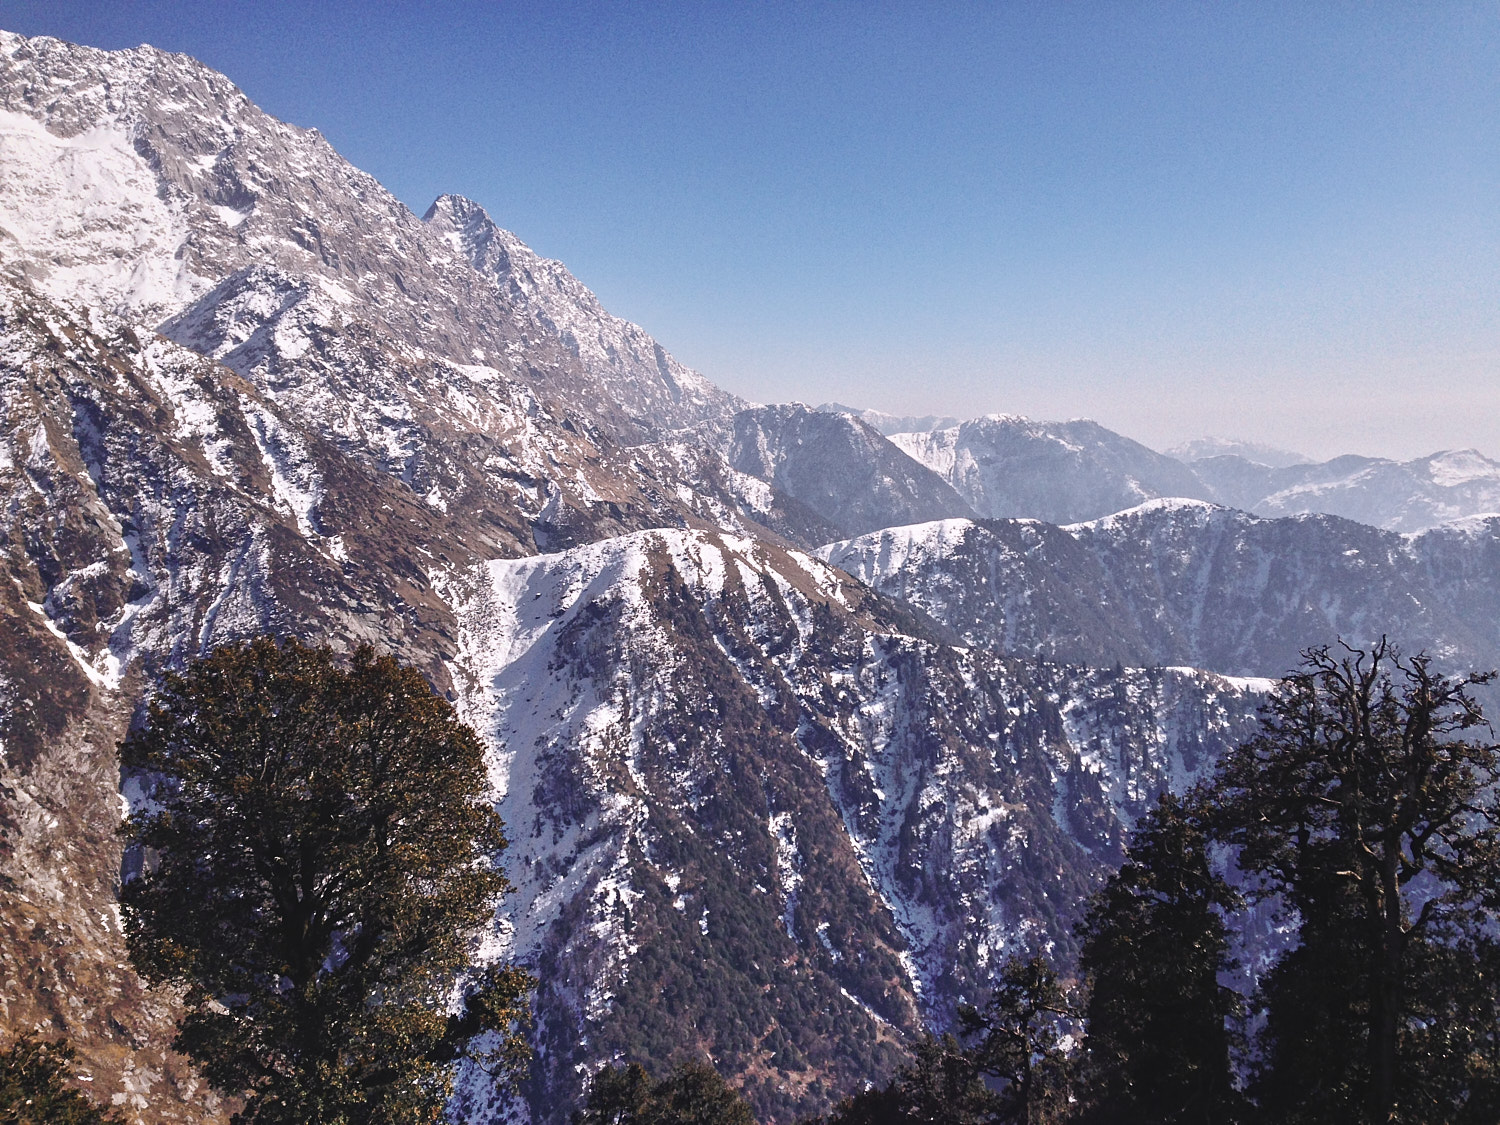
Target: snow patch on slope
{"x":85,"y":214}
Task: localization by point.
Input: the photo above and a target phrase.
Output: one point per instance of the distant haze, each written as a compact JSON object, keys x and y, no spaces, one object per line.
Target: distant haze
{"x":1273,"y":222}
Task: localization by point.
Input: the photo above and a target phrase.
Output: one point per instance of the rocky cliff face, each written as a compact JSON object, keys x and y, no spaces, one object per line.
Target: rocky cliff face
{"x":628,"y":365}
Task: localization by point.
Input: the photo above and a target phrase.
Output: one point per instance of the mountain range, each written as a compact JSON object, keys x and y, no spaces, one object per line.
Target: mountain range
{"x":801,"y":720}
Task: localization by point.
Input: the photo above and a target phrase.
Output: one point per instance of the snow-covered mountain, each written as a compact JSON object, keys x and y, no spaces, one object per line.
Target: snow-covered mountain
{"x":715,"y":715}
{"x":1005,"y":465}
{"x":141,"y":182}
{"x":1188,"y":583}
{"x":1397,"y":495}
{"x":629,"y":366}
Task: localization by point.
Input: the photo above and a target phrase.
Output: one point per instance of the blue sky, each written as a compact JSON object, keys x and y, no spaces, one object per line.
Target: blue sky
{"x":1272,"y":221}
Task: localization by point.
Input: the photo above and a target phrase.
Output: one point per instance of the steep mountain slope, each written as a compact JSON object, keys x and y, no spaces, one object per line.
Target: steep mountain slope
{"x":1183,"y":582}
{"x":139,"y":181}
{"x":1004,"y":465}
{"x":758,"y":814}
{"x":1396,"y":495}
{"x":629,"y":365}
{"x":838,"y":467}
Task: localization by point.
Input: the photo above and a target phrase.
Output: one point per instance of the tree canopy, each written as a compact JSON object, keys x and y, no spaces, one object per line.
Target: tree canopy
{"x":1367,"y":807}
{"x":1155,"y":941}
{"x":320,"y":853}
{"x":692,"y":1094}
{"x":34,"y":1089}
{"x":1012,"y":1066}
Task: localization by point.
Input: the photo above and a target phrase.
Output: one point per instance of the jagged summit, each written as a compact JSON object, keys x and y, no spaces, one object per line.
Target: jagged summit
{"x":632,"y":365}
{"x":136,"y":181}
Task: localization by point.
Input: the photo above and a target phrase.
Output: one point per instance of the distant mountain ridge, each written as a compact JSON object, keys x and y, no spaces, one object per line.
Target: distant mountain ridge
{"x":1175,"y":582}
{"x":1200,"y":449}
{"x":1396,"y":495}
{"x":1006,"y":465}
{"x":889,"y":424}
{"x":839,"y":466}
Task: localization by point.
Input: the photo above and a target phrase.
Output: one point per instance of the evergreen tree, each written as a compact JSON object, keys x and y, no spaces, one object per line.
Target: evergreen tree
{"x":1368,"y":806}
{"x":34,"y":1089}
{"x":320,"y":853}
{"x":943,"y":1085}
{"x":1016,"y":1072}
{"x":1452,"y":1044}
{"x":692,"y":1094}
{"x":1022,"y":1033}
{"x":1154,"y":943}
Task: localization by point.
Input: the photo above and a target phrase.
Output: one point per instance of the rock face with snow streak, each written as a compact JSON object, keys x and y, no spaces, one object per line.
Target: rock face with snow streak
{"x":630,"y":367}
{"x":1008,"y":466}
{"x":1184,"y":582}
{"x":737,"y":781}
{"x":839,"y":467}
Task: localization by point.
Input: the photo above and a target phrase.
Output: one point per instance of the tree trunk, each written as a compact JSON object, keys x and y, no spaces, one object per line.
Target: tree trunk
{"x":1385,"y":999}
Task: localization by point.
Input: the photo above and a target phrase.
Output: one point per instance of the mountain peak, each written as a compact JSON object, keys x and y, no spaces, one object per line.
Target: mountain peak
{"x":642,"y":374}
{"x":135,"y":181}
{"x":449,"y":209}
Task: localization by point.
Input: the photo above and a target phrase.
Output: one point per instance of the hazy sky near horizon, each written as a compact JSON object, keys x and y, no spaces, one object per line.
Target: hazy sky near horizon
{"x":1272,"y":221}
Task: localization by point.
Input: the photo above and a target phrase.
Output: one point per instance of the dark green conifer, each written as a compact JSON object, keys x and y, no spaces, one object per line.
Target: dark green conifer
{"x":692,"y":1094}
{"x":1154,"y":943}
{"x":320,"y":853}
{"x":1369,"y":808}
{"x":34,"y":1088}
{"x":1022,"y":1034}
{"x":943,"y":1083}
